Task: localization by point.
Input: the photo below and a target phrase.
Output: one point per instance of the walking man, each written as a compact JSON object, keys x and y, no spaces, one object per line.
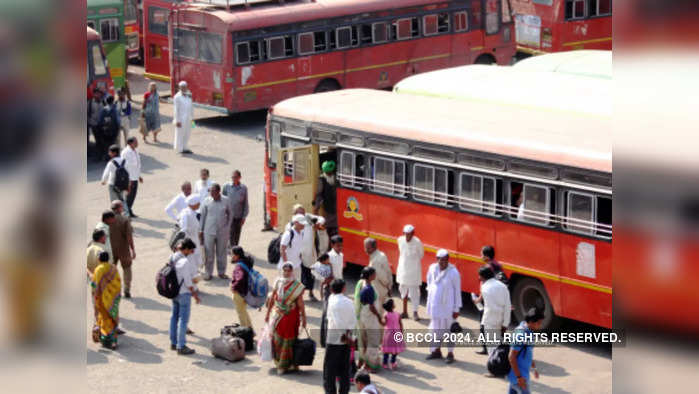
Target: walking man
{"x":109,"y":174}
{"x":342,"y":321}
{"x":496,"y":304}
{"x":182,"y":118}
{"x":133,"y":166}
{"x":121,"y":238}
{"x":291,"y":245}
{"x":108,"y":218}
{"x":409,"y":271}
{"x":181,"y":305}
{"x":443,"y":301}
{"x":522,"y":353}
{"x":384,"y":275}
{"x":179,"y":202}
{"x":237,"y":195}
{"x":213,"y":231}
{"x":189,"y":223}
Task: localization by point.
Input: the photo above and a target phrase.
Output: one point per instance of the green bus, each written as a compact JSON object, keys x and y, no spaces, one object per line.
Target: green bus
{"x":107,"y":18}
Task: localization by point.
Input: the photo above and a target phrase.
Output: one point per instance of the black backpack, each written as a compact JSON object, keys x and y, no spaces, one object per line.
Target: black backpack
{"x":121,"y":176}
{"x":274,"y":249}
{"x":166,"y":281}
{"x":499,"y":362}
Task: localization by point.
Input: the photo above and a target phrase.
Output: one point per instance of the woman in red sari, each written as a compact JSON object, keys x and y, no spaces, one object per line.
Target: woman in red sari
{"x":289,"y":311}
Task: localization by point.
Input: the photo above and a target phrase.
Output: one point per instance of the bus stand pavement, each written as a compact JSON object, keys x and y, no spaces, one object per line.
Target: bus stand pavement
{"x":144,"y":362}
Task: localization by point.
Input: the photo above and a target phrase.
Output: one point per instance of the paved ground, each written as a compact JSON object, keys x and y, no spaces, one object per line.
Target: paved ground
{"x":144,"y":363}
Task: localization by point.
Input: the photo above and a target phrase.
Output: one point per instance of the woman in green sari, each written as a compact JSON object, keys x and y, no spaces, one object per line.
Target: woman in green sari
{"x":369,"y":322}
{"x":289,"y":311}
{"x":106,"y":285}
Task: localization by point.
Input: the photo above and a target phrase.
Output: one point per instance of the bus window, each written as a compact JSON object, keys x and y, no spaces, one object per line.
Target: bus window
{"x":429,"y":25}
{"x":388,"y":176}
{"x":580,"y":215}
{"x":97,"y":61}
{"x":131,"y":11}
{"x":604,"y":217}
{"x":492,"y":16}
{"x":599,"y":7}
{"x":306,"y":43}
{"x":157,"y":20}
{"x":296,"y":166}
{"x":109,"y":29}
{"x":536,"y":205}
{"x":276,"y":143}
{"x":352,"y":169}
{"x":344,"y":37}
{"x":276,"y":47}
{"x":210,"y":47}
{"x":242,"y":50}
{"x":460,"y":21}
{"x":185,"y":44}
{"x":575,"y":9}
{"x":430,"y":184}
{"x":320,"y":41}
{"x":405,"y":28}
{"x":477,"y":193}
{"x":379,"y":32}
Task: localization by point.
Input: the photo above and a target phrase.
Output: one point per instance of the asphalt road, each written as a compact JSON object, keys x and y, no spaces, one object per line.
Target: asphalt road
{"x":144,"y":361}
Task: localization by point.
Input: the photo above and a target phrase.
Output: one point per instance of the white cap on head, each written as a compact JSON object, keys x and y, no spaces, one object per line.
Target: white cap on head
{"x":442,"y":253}
{"x":321,"y":220}
{"x":192,"y":200}
{"x":182,"y":84}
{"x":408,"y":228}
{"x":299,"y":219}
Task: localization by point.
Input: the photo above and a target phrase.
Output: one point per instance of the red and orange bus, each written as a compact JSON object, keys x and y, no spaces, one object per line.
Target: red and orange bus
{"x":131,"y":29}
{"x":536,"y":184}
{"x":156,"y":46}
{"x":242,"y":58}
{"x":544,"y":26}
{"x":97,"y":67}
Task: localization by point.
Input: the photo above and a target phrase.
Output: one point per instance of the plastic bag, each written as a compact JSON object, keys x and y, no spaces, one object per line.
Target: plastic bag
{"x":264,"y":345}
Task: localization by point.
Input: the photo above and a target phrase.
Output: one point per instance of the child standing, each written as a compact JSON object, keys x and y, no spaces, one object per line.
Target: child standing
{"x":323,"y":271}
{"x":390,"y":346}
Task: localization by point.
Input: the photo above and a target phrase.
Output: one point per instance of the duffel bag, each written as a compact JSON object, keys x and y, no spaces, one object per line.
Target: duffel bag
{"x":244,"y":333}
{"x":228,"y":348}
{"x":304,"y":351}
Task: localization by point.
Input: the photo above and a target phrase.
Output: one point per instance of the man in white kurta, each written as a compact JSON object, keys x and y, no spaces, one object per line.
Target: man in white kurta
{"x":182,"y":118}
{"x":189,"y":223}
{"x":308,"y":250}
{"x":443,"y":301}
{"x":384,"y":276}
{"x":409,"y":271}
{"x":496,"y":304}
{"x":179,"y":202}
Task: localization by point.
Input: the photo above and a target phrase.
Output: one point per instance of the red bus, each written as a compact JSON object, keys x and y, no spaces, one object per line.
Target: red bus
{"x":545,"y":26}
{"x":534,"y":183}
{"x":245,"y":58}
{"x":97,"y":67}
{"x":131,"y":29}
{"x":154,"y":28}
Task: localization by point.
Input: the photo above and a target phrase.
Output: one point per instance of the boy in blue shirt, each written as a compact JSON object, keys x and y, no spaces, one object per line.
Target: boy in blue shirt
{"x":522,"y":354}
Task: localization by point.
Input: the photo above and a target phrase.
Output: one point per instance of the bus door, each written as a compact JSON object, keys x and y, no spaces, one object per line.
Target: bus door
{"x":297,"y":180}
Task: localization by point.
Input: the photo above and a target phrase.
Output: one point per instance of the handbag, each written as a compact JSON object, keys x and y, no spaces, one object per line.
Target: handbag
{"x":264,"y":346}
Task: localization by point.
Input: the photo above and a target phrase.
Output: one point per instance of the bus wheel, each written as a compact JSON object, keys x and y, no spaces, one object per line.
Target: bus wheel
{"x":485,"y":59}
{"x":327,"y":85}
{"x":530,"y":293}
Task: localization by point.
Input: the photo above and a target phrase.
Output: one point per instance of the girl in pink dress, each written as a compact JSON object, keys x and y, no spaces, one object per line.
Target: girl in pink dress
{"x":390,"y":346}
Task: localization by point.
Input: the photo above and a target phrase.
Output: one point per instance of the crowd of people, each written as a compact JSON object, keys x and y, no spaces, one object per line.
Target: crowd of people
{"x":358,"y":333}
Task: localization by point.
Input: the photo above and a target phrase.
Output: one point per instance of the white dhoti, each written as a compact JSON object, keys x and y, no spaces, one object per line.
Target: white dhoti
{"x":438,"y":326}
{"x":182,"y":137}
{"x":412,"y":292}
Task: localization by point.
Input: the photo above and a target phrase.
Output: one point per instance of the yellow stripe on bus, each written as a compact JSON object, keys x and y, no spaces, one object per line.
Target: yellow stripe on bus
{"x":476,"y":49}
{"x":349,"y":70}
{"x":475,"y":259}
{"x":570,"y":44}
{"x":158,"y":77}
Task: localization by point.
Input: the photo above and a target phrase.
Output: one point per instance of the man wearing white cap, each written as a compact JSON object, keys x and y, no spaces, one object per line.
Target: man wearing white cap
{"x":188,"y":222}
{"x":443,"y":301}
{"x":308,"y":250}
{"x":409,"y":271}
{"x":292,"y":244}
{"x":182,"y":118}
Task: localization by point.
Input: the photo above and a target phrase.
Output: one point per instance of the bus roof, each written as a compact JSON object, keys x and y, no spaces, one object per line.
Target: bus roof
{"x":105,"y":3}
{"x":92,"y":35}
{"x":292,"y":12}
{"x":507,"y":85}
{"x":567,"y":139}
{"x":584,"y":62}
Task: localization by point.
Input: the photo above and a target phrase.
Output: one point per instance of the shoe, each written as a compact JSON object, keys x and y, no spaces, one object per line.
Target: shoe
{"x":185,"y":351}
{"x":415,"y":316}
{"x":223,"y":276}
{"x":404,"y":315}
{"x":189,"y":332}
{"x":187,"y":152}
{"x":119,"y":331}
{"x":127,"y":294}
{"x":482,"y":352}
{"x":132,"y":215}
{"x":394,"y":366}
{"x":384,"y":366}
{"x":207,"y":277}
{"x":437,"y":354}
{"x":312,"y":297}
{"x":173,"y":347}
{"x":450,"y":358}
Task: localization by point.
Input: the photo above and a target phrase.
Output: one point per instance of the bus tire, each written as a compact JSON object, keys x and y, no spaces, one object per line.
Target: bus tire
{"x":327,"y":85}
{"x":485,"y":58}
{"x":528,"y":293}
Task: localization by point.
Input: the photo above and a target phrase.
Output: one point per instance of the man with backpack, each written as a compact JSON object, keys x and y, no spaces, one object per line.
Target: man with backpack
{"x":115,"y":175}
{"x":239,"y":284}
{"x":522,"y":354}
{"x":181,"y":304}
{"x":107,"y":127}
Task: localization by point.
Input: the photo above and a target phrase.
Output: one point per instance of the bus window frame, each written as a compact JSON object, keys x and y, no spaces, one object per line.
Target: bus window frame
{"x":466,"y":21}
{"x":118,"y":28}
{"x":386,"y":31}
{"x":398,"y":23}
{"x":434,"y":199}
{"x":425,"y":24}
{"x":268,"y":42}
{"x":498,"y":17}
{"x":237,"y":53}
{"x":393,"y":187}
{"x":545,"y":221}
{"x":298,"y":43}
{"x":579,"y":228}
{"x":337,"y":38}
{"x":151,"y":16}
{"x":472,"y":206}
{"x":92,"y":45}
{"x":573,"y":16}
{"x":199,"y":40}
{"x":350,"y":182}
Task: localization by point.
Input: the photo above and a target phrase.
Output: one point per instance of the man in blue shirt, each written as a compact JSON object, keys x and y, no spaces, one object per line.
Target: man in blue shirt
{"x":522,"y":353}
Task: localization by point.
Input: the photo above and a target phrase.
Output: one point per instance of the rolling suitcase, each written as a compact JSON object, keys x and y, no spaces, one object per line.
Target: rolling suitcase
{"x":304,"y":351}
{"x":245,"y":333}
{"x":228,"y":348}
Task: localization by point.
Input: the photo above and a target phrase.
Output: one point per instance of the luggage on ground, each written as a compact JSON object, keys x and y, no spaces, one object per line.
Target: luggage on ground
{"x":304,"y":351}
{"x":228,"y":348}
{"x":244,"y":333}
